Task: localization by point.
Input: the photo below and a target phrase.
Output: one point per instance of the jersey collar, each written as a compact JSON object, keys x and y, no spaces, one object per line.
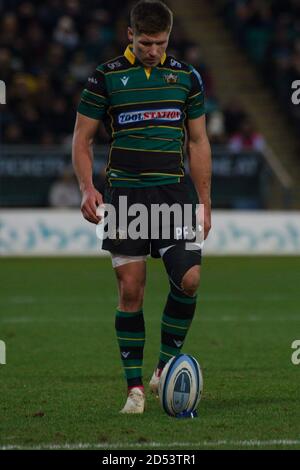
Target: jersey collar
{"x":132,"y":58}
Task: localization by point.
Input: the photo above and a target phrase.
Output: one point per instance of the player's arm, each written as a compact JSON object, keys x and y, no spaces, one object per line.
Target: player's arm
{"x":82,"y":157}
{"x":199,"y":153}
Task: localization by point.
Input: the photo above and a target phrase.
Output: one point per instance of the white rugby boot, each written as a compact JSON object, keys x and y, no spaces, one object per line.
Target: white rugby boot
{"x":153,"y":384}
{"x":135,"y":402}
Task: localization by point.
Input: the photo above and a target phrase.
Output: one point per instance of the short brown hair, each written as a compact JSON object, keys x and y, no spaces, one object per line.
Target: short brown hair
{"x":151,"y":17}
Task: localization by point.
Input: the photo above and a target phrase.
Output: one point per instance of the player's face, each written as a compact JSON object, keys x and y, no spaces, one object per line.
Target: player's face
{"x":149,"y":49}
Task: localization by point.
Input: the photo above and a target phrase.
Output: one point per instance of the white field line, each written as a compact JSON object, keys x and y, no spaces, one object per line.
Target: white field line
{"x":169,"y":445}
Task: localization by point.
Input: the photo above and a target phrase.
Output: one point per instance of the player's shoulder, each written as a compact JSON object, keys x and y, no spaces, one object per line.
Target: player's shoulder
{"x":114,"y":65}
{"x":177,"y":65}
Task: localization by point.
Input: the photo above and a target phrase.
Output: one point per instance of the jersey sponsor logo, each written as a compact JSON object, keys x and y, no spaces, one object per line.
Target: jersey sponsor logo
{"x":124,"y":80}
{"x":174,"y":63}
{"x":173,"y":114}
{"x":114,"y":65}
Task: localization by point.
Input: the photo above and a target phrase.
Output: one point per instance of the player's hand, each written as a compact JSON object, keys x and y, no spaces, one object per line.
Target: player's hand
{"x":207,"y":220}
{"x":204,"y":218}
{"x":91,"y":200}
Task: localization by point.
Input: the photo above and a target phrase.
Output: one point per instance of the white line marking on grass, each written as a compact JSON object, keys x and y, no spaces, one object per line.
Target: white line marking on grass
{"x":174,"y":445}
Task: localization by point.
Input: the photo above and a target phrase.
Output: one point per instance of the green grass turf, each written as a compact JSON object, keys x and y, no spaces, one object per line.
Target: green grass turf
{"x":63,"y":382}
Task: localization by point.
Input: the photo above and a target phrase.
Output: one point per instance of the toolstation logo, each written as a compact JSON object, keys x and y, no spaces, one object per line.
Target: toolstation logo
{"x":150,"y":115}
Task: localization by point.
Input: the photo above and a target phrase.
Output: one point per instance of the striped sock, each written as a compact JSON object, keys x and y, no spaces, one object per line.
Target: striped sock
{"x":130,"y":329}
{"x":177,"y":318}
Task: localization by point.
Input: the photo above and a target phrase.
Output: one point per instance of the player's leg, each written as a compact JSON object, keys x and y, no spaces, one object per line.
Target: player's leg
{"x":183,"y":268}
{"x":191,"y":280}
{"x":128,"y":259}
{"x":130,"y":327}
{"x":182,"y":262}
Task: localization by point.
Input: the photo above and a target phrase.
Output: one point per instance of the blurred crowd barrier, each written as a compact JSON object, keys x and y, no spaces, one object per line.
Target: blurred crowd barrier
{"x":39,"y":177}
{"x":46,"y":232}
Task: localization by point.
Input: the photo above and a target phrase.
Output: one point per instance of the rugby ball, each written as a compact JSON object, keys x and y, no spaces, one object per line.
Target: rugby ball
{"x":180,"y":386}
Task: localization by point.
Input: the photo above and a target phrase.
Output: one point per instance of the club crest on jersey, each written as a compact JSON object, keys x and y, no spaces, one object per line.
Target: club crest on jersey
{"x":171,"y":78}
{"x":173,"y":114}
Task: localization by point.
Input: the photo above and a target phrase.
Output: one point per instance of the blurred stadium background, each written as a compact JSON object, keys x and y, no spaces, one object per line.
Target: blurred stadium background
{"x":248,"y":53}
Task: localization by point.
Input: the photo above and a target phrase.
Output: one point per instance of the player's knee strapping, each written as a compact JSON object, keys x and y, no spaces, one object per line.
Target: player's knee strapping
{"x":178,"y":261}
{"x":180,"y":308}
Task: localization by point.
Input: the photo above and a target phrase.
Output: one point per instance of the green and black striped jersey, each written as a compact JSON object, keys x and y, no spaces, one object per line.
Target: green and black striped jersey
{"x":145,"y":112}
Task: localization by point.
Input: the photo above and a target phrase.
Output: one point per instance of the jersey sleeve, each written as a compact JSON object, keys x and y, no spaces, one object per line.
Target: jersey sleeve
{"x":196,"y":102}
{"x":94,"y":98}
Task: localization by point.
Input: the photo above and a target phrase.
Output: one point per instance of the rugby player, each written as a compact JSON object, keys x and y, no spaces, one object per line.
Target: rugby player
{"x":149,"y":102}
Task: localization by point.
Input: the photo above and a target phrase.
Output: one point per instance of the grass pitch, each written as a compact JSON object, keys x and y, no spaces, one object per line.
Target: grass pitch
{"x":63,"y":384}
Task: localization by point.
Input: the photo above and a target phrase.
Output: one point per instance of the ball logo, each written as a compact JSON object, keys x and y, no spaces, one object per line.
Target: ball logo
{"x":182,"y":389}
{"x":150,"y":115}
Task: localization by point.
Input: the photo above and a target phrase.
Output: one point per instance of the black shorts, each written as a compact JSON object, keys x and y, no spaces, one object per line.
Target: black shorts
{"x":119,"y":242}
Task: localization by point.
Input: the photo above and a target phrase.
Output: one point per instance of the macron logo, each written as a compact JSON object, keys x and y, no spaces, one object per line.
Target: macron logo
{"x":124,"y":80}
{"x":125,"y":354}
{"x":158,"y":115}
